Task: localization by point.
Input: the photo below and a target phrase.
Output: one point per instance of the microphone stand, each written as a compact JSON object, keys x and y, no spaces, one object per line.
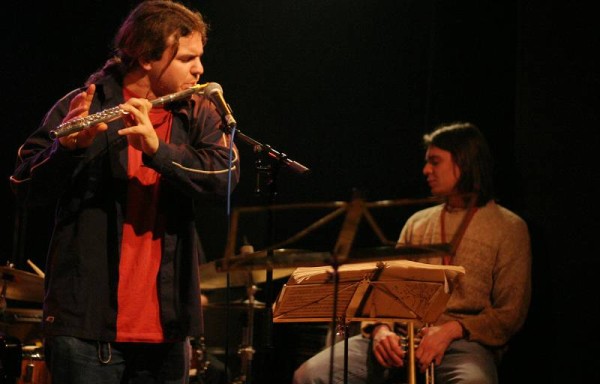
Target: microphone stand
{"x":281,"y":158}
{"x":266,"y":176}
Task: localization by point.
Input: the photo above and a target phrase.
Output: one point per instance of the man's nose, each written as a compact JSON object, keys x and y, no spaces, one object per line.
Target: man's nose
{"x":426,"y":169}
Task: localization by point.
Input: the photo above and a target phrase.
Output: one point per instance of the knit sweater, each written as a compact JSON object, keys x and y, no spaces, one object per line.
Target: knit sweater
{"x":491,"y":299}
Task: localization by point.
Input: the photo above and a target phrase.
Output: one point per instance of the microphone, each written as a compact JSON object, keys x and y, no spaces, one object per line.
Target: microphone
{"x":215,"y":94}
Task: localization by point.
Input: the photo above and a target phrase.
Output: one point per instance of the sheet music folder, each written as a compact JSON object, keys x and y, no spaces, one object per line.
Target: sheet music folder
{"x":400,"y":290}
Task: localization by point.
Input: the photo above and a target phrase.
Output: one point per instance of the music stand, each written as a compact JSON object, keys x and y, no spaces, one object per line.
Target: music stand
{"x":358,"y":299}
{"x":390,"y":291}
{"x":343,"y":252}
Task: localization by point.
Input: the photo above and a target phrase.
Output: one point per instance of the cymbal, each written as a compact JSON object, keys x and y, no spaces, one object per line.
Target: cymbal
{"x":392,"y":252}
{"x":281,"y":258}
{"x":236,"y":304}
{"x":213,"y":278}
{"x":22,"y":285}
{"x":294,"y":258}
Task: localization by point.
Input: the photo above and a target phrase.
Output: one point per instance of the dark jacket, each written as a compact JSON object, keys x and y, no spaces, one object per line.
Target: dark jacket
{"x":89,"y":188}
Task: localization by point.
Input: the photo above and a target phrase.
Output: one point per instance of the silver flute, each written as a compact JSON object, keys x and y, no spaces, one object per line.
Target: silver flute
{"x":111,"y":114}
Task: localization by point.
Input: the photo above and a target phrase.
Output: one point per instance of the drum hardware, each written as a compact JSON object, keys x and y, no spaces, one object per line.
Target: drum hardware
{"x":33,"y":366}
{"x":3,"y":303}
{"x":21,"y":285}
{"x":23,"y":315}
{"x":29,"y":366}
{"x":27,"y":377}
{"x":212,"y":277}
{"x":246,"y":350}
{"x":21,"y":363}
{"x":199,"y":358}
{"x":10,"y":358}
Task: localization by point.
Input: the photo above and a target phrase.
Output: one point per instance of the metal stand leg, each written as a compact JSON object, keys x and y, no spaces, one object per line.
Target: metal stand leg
{"x":411,"y":369}
{"x":246,"y":350}
{"x":429,"y":378}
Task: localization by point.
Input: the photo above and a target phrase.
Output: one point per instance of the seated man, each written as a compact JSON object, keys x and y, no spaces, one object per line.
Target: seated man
{"x":492,"y":299}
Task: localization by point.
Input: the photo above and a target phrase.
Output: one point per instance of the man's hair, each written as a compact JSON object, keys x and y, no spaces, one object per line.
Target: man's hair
{"x":470,"y":151}
{"x":146,"y":33}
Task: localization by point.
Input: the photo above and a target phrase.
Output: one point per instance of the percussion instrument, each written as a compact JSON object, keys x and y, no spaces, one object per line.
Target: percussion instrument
{"x":33,"y":366}
{"x":21,"y":352}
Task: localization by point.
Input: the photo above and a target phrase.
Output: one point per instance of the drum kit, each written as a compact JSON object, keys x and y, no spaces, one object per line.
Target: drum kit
{"x":21,"y":350}
{"x":232,"y":324}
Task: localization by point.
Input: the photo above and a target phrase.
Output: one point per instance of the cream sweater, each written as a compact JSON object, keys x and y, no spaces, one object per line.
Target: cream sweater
{"x":491,"y":300}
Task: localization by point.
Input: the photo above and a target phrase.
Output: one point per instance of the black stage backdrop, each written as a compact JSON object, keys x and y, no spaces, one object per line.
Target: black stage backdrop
{"x":347,"y":88}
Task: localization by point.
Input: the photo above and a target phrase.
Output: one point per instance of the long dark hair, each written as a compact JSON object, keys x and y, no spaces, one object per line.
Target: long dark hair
{"x":470,"y":151}
{"x":145,"y":34}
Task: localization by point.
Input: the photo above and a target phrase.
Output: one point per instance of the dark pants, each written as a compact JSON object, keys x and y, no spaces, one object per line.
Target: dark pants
{"x":464,"y":362}
{"x":76,"y":361}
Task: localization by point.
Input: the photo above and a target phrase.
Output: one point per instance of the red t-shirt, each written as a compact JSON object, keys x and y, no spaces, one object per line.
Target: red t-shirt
{"x":138,"y":314}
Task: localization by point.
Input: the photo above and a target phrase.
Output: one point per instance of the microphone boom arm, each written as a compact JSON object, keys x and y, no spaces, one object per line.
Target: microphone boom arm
{"x":280,"y":157}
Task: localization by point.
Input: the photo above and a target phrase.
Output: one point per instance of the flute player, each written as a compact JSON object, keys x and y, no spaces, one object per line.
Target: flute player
{"x":122,"y":290}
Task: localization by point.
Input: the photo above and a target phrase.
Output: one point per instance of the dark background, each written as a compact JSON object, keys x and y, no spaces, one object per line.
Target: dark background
{"x":347,"y":88}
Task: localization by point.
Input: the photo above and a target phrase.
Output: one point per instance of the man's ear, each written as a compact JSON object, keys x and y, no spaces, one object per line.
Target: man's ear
{"x":145,"y":63}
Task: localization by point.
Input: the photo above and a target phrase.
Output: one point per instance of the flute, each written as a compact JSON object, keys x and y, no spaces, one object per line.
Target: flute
{"x":111,"y":114}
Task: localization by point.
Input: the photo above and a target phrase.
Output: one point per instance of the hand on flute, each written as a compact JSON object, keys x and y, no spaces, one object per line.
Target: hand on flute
{"x":79,"y":107}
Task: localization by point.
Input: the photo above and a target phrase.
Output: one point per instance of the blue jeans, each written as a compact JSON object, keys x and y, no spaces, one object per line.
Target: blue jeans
{"x":465,"y":362}
{"x":77,"y":361}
